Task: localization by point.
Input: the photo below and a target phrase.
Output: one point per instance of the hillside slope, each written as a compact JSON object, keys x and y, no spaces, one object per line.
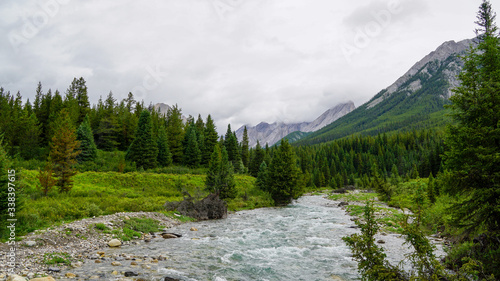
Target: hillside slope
{"x":415,"y":100}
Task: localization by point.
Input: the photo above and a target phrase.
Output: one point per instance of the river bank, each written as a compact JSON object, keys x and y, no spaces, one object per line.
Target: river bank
{"x":74,"y":243}
{"x":304,"y":239}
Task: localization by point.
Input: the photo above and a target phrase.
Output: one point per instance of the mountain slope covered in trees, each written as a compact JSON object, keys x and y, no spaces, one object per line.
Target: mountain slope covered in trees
{"x":415,"y":101}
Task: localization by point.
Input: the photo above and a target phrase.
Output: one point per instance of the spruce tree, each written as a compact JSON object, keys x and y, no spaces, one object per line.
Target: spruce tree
{"x":175,"y":134}
{"x":262,"y":177}
{"x":210,"y":140}
{"x":164,"y":155}
{"x":192,"y":153}
{"x":88,"y":149}
{"x":143,"y":150}
{"x":256,"y":161}
{"x":245,"y":156}
{"x":220,"y":177}
{"x":63,"y":152}
{"x":474,"y":140}
{"x":283,"y":175}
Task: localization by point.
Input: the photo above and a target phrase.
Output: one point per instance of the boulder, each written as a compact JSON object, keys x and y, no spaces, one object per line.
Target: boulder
{"x":116,"y":263}
{"x":15,"y":277}
{"x":30,"y":243}
{"x":380,"y":241}
{"x":130,"y":273}
{"x":194,"y":229}
{"x":114,"y":243}
{"x":48,"y":278}
{"x":169,"y":236}
{"x":70,"y":275}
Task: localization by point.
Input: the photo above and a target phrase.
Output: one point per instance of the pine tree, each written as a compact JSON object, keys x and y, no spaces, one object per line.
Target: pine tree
{"x":29,"y":134}
{"x":262,"y":177}
{"x":88,"y":149}
{"x":175,"y":134}
{"x":143,"y":150}
{"x":46,"y":179}
{"x":256,"y":161}
{"x":283,"y":175}
{"x":220,"y":178}
{"x":210,"y":140}
{"x":63,"y":152}
{"x":213,"y":170}
{"x":192,"y":153}
{"x":164,"y":155}
{"x":245,"y":156}
{"x":474,"y":140}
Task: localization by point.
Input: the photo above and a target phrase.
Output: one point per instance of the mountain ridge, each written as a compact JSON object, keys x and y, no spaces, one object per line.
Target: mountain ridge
{"x":274,"y":132}
{"x":414,"y":101}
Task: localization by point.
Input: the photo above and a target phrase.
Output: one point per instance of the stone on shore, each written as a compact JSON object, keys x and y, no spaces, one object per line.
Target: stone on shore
{"x":48,"y":278}
{"x":15,"y":277}
{"x":114,"y":243}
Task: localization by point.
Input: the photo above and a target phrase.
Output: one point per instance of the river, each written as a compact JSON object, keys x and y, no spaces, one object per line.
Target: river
{"x":299,"y":242}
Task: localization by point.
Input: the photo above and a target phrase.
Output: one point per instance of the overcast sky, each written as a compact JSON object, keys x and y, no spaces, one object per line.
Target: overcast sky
{"x":242,"y":61}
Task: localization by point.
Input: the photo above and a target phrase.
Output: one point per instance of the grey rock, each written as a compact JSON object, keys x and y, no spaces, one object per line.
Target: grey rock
{"x":272,"y":133}
{"x":30,"y":243}
{"x":130,"y":273}
{"x":54,"y":269}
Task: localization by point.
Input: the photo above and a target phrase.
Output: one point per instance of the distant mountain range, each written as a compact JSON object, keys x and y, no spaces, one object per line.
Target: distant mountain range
{"x":415,"y":101}
{"x":272,"y":133}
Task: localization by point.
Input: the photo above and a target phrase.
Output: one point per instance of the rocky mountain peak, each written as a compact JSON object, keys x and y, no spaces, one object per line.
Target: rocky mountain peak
{"x":441,"y":54}
{"x":272,"y":133}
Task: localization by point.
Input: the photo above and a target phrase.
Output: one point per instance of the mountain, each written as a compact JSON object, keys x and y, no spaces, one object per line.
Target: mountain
{"x":163,"y":108}
{"x":415,"y":101}
{"x":272,"y":133}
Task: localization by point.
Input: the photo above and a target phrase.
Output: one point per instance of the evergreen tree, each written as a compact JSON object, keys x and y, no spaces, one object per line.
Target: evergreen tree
{"x":143,"y":150}
{"x":262,"y":177}
{"x":220,"y":178}
{"x":192,"y":153}
{"x":175,"y":134}
{"x":210,"y":140}
{"x":63,"y":152}
{"x":474,"y":140}
{"x":46,"y":179}
{"x":256,"y":161}
{"x":283,"y":175}
{"x":164,"y":155}
{"x":245,"y":156}
{"x":213,"y":170}
{"x":29,"y":134}
{"x":231,"y":145}
{"x":88,"y":149}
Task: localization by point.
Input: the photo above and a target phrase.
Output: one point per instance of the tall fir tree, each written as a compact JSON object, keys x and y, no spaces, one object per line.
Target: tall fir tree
{"x":88,"y":149}
{"x":474,"y":140}
{"x":210,"y":140}
{"x":63,"y":152}
{"x":220,"y":178}
{"x":283,"y":175}
{"x":245,"y":155}
{"x":143,"y":150}
{"x":256,"y":161}
{"x":164,"y":155}
{"x":192,"y":153}
{"x":175,"y":134}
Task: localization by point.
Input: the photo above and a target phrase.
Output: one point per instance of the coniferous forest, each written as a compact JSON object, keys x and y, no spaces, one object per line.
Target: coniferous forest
{"x":72,"y":157}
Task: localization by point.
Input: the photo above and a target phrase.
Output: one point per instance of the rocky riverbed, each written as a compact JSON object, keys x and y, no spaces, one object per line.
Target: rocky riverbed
{"x":78,"y":240}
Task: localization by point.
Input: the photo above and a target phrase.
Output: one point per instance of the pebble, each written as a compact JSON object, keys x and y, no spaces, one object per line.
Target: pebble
{"x":380,"y":241}
{"x":70,"y":275}
{"x":114,"y":243}
{"x":194,"y":229}
{"x":116,"y":263}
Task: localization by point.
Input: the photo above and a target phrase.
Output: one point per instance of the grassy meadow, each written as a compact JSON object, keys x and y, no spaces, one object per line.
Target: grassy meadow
{"x":103,"y":193}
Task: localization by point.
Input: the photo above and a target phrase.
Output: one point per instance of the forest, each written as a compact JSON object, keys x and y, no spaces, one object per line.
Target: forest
{"x":69,"y":159}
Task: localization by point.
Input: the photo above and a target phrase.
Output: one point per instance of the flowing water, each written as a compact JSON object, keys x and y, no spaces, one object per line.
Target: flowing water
{"x":299,"y":242}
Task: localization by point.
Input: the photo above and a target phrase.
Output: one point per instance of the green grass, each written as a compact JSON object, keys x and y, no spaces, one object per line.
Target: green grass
{"x":353,"y":197}
{"x":56,"y":258}
{"x":103,"y":193}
